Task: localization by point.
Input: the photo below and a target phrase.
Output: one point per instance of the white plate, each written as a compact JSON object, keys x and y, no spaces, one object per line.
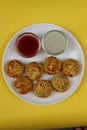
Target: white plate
{"x":73,"y":51}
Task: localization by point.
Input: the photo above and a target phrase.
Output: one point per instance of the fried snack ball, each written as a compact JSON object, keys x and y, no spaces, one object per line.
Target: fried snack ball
{"x":52,"y":65}
{"x":23,"y":85}
{"x":15,"y":68}
{"x":34,"y":70}
{"x":70,"y":67}
{"x":60,"y":82}
{"x":42,"y":88}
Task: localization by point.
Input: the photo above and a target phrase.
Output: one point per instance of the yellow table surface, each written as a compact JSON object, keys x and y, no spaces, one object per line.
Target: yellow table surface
{"x":17,"y":14}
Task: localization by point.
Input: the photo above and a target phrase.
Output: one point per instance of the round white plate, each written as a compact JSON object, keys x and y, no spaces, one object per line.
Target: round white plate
{"x":73,"y":50}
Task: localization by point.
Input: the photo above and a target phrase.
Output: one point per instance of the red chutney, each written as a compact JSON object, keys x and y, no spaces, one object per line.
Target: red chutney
{"x":28,"y":44}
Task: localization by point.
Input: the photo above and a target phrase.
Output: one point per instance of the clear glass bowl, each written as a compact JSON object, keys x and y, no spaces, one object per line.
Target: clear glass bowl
{"x":54,"y":42}
{"x":28,"y":44}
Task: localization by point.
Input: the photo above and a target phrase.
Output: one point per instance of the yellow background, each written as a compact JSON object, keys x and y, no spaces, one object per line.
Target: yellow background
{"x":17,"y":14}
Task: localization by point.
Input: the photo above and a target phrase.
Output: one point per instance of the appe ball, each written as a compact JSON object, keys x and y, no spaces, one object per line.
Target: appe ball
{"x":42,"y":88}
{"x":15,"y":68}
{"x":23,"y":85}
{"x":52,"y":65}
{"x":60,"y":82}
{"x":34,"y":70}
{"x":70,"y":67}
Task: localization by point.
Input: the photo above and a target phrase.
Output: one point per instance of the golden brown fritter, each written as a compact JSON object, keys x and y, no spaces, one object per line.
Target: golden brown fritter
{"x":70,"y":67}
{"x":42,"y":88}
{"x":34,"y":70}
{"x":15,"y":68}
{"x":60,"y":82}
{"x":23,"y":85}
{"x":52,"y":65}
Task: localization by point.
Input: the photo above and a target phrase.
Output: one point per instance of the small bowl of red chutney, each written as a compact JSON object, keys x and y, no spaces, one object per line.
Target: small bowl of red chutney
{"x":28,"y":44}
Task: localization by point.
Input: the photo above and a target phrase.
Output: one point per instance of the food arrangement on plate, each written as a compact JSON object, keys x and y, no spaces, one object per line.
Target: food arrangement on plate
{"x":33,"y":71}
{"x":43,"y":64}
